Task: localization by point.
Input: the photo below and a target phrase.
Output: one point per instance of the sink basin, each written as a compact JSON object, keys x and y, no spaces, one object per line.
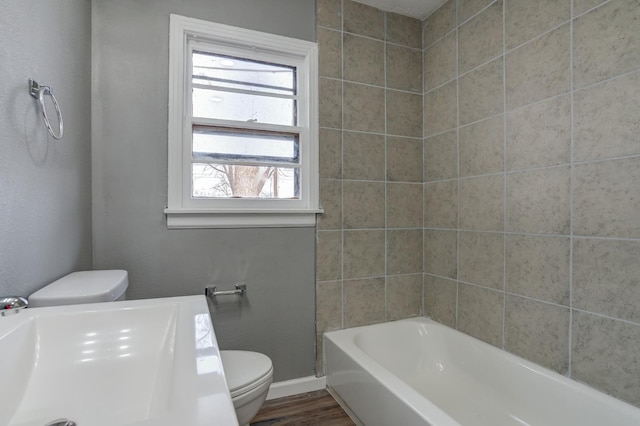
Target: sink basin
{"x":138,"y":362}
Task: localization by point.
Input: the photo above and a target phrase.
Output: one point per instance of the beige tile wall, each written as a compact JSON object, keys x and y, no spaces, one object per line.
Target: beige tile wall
{"x":532,"y":181}
{"x":370,"y":238}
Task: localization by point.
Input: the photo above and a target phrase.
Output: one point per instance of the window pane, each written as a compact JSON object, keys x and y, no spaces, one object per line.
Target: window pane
{"x":209,"y":103}
{"x":237,"y":144}
{"x":239,"y":73}
{"x":237,"y":181}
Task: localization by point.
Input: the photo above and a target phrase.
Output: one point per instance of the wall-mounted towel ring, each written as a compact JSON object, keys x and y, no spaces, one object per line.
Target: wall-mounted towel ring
{"x":39,"y":92}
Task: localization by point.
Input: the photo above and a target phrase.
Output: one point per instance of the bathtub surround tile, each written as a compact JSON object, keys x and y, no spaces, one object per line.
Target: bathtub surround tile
{"x":606,"y":198}
{"x":606,"y":355}
{"x":468,"y":8}
{"x":330,"y":154}
{"x":320,"y":354}
{"x":482,"y":147}
{"x":440,"y":61}
{"x":538,"y":201}
{"x":441,"y":109}
{"x":441,"y":157}
{"x":404,"y":296}
{"x":404,"y":68}
{"x":329,"y":13}
{"x":480,"y":313}
{"x":581,"y":6}
{"x":404,"y":251}
{"x":441,"y":204}
{"x":538,"y":267}
{"x":329,"y":53}
{"x":538,"y":332}
{"x":441,"y":252}
{"x":363,"y":156}
{"x":331,"y":201}
{"x":329,"y":255}
{"x":363,"y":108}
{"x":363,"y":204}
{"x":440,"y":299}
{"x":480,"y":39}
{"x":606,"y":119}
{"x":482,"y":203}
{"x":615,"y":50}
{"x":363,"y":19}
{"x":404,"y":30}
{"x":539,"y":69}
{"x":364,"y":302}
{"x":404,"y":205}
{"x":606,"y":277}
{"x":363,"y":254}
{"x":363,"y":60}
{"x":481,"y":259}
{"x":525,"y":19}
{"x":481,"y":92}
{"x":404,"y":114}
{"x":404,"y":159}
{"x":439,"y":23}
{"x":330,"y":103}
{"x":539,"y":135}
{"x":328,"y":306}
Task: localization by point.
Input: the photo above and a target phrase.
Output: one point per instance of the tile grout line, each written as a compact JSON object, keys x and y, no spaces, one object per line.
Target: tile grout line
{"x":386,"y":207}
{"x":342,"y":251}
{"x":571,"y":182}
{"x":504,"y":169}
{"x":457,"y":35}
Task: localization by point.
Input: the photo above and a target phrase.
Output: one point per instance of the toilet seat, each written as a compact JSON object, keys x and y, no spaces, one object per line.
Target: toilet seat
{"x":245,"y":371}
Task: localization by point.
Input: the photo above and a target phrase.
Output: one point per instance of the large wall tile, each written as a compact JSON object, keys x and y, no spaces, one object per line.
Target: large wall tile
{"x":606,"y":277}
{"x":404,"y":251}
{"x":482,"y":203}
{"x":330,"y":154}
{"x":440,"y":61}
{"x":329,"y":53}
{"x":331,"y":201}
{"x":441,"y":109}
{"x":538,"y":201}
{"x":363,"y":204}
{"x":404,"y":68}
{"x":481,"y":259}
{"x":363,"y":60}
{"x":404,"y":114}
{"x":439,"y":23}
{"x":441,"y":204}
{"x":440,"y":299}
{"x":363,"y":108}
{"x":404,"y":30}
{"x":468,"y":8}
{"x":329,"y":255}
{"x":606,"y":355}
{"x":328,"y":306}
{"x":330,"y":103}
{"x":441,"y":157}
{"x":480,"y":39}
{"x":538,"y":332}
{"x":538,"y":267}
{"x":404,"y":205}
{"x":441,"y":252}
{"x":526,"y":19}
{"x":362,"y":19}
{"x":482,"y":147}
{"x":364,"y":302}
{"x":606,"y":119}
{"x":539,"y":135}
{"x":480,"y":313}
{"x":329,"y":13}
{"x":606,"y":198}
{"x":404,"y":159}
{"x":481,"y":92}
{"x":602,"y":51}
{"x":363,"y":156}
{"x":363,"y":254}
{"x":404,"y":296}
{"x":539,"y":69}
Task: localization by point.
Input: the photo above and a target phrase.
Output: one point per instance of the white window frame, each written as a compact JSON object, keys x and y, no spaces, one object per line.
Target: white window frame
{"x":184,"y":211}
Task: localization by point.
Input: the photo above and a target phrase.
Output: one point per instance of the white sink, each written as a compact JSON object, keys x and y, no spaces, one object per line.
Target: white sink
{"x":140,"y":362}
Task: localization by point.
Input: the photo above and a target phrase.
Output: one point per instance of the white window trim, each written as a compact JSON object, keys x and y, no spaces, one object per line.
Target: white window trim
{"x":181,"y":211}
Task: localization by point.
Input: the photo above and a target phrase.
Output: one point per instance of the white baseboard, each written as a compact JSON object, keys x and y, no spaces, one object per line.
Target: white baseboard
{"x":296,"y":386}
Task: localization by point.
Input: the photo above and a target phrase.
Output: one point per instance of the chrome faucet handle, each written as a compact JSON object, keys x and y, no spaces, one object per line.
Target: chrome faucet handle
{"x":12,"y":305}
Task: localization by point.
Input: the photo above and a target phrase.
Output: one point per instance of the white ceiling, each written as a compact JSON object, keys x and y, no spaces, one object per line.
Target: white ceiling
{"x":416,"y":8}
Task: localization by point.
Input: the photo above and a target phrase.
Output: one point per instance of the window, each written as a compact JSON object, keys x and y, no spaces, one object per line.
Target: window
{"x":243,"y":136}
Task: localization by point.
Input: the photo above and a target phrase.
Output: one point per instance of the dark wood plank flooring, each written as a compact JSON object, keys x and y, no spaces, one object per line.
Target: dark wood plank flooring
{"x":313,"y":408}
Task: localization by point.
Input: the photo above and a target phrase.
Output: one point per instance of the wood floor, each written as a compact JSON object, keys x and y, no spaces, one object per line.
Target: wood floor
{"x":313,"y":408}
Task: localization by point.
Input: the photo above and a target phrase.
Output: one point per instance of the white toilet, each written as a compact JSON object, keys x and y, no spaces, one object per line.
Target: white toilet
{"x":248,"y":374}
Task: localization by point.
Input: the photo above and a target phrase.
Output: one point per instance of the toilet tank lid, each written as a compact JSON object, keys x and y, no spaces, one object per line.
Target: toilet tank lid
{"x":82,"y":287}
{"x":241,"y":368}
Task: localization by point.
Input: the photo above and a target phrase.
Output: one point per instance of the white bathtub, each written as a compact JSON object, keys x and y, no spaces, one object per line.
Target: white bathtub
{"x":418,"y":372}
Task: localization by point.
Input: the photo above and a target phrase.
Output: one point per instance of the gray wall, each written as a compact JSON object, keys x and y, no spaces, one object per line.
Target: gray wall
{"x":129,"y":150}
{"x":45,"y":185}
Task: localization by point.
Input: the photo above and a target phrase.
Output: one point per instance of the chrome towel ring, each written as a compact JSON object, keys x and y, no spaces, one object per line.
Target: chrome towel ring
{"x":39,"y":91}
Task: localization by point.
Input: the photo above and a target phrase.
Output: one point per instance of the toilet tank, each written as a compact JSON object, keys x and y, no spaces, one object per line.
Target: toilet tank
{"x":83,"y":287}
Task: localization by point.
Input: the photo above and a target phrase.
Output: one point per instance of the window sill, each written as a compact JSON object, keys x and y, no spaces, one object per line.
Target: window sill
{"x":190,"y":219}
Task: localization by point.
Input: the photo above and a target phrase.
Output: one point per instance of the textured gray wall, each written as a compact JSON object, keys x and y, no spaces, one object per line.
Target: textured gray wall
{"x":129,"y":129}
{"x":45,"y":185}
